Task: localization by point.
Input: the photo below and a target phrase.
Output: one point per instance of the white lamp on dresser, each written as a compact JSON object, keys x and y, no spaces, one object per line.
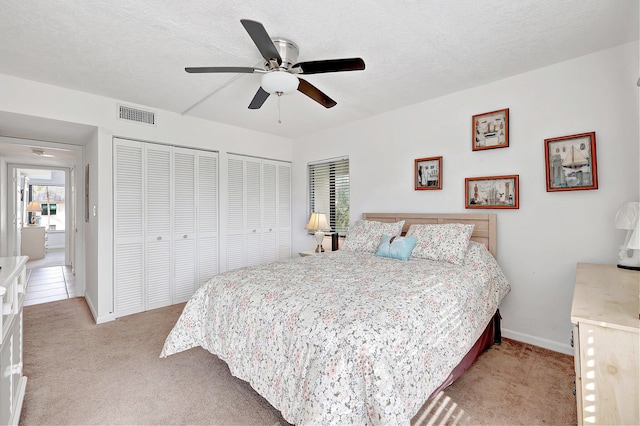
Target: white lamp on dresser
{"x":628,"y":217}
{"x":33,"y":207}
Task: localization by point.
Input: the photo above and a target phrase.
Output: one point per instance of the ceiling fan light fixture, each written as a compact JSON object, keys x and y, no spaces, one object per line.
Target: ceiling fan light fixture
{"x":279,"y":82}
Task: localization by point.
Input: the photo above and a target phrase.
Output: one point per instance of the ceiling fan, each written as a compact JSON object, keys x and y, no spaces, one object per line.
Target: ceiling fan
{"x":281,"y":70}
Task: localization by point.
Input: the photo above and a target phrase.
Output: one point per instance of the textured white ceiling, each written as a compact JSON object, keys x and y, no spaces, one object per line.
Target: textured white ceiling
{"x":136,"y":50}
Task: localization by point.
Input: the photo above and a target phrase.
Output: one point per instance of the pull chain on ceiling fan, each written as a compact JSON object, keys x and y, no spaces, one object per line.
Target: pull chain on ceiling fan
{"x":280,"y":75}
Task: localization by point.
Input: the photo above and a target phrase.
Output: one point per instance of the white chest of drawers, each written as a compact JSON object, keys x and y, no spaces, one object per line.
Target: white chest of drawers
{"x":606,"y":340}
{"x":12,"y":382}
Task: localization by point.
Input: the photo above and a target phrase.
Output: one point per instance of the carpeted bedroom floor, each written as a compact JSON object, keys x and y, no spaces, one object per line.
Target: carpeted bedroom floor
{"x":82,"y":373}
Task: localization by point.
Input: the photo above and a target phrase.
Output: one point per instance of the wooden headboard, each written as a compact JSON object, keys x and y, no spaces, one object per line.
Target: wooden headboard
{"x":484,"y":230}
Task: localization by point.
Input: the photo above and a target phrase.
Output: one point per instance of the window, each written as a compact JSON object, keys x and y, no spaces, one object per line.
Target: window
{"x":329,"y":191}
{"x":48,"y":209}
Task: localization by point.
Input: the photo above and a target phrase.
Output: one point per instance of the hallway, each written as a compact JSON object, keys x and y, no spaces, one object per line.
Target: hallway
{"x":49,"y":280}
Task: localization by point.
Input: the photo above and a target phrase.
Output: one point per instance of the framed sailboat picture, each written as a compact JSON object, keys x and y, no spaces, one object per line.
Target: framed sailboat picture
{"x":571,"y":162}
{"x":492,"y":192}
{"x":490,"y":130}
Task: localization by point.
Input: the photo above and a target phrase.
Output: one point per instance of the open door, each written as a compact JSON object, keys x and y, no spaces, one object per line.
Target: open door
{"x":17,"y":212}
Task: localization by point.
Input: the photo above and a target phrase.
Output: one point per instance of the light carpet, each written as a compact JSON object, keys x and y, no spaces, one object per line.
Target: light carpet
{"x":81,"y":373}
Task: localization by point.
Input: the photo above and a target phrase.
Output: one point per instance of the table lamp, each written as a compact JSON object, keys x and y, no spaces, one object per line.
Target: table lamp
{"x":318,"y":221}
{"x":33,"y":207}
{"x":628,"y":217}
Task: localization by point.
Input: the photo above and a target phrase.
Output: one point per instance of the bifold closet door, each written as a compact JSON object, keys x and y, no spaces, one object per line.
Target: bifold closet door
{"x":128,"y":210}
{"x":253,"y":212}
{"x":184,"y":224}
{"x":159,"y":213}
{"x":269,"y":234}
{"x":207,"y":215}
{"x":165,"y":224}
{"x":235,"y":213}
{"x":258,"y":211}
{"x":284,"y":211}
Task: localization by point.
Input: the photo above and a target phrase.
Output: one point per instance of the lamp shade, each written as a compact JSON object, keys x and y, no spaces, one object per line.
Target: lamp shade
{"x":317,"y":221}
{"x":634,"y":240}
{"x":279,"y":82}
{"x":34,"y":207}
{"x":628,"y":216}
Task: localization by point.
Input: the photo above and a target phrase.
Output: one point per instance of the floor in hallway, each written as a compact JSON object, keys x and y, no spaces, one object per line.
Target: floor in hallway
{"x":49,"y":283}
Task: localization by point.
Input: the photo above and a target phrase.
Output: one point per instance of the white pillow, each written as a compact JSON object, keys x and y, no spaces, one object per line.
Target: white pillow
{"x":444,"y":243}
{"x":364,"y":235}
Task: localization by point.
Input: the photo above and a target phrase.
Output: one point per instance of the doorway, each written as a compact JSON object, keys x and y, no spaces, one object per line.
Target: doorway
{"x":43,"y":202}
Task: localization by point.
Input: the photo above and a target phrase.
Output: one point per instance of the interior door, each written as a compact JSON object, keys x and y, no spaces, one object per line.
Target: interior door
{"x":184,"y":224}
{"x":236,"y":256}
{"x":269,"y":212}
{"x":253,"y":193}
{"x":128,"y":210}
{"x":158,"y":236}
{"x":18,"y":211}
{"x":284,"y":211}
{"x":207,"y":215}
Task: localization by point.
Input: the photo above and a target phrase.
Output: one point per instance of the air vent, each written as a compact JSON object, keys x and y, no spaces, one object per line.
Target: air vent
{"x":137,"y":115}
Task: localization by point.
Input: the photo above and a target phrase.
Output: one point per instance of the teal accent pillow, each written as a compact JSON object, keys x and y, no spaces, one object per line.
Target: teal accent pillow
{"x":396,"y":247}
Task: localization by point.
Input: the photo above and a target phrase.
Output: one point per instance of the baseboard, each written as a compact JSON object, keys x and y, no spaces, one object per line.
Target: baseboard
{"x":538,"y":341}
{"x":94,"y":313}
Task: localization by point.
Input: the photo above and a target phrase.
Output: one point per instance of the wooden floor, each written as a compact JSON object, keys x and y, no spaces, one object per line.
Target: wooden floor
{"x":49,"y":283}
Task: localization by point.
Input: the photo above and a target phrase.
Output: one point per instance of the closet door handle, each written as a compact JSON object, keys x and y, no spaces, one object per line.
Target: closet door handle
{"x":159,"y":238}
{"x":185,"y":236}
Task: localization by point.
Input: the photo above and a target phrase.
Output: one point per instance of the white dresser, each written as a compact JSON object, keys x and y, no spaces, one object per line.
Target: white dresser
{"x":34,"y":242}
{"x":606,"y":338}
{"x":13,"y":284}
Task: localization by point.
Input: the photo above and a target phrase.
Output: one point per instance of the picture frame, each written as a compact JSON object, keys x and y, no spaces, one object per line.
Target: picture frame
{"x":571,"y":163}
{"x":490,"y":130}
{"x":427,"y":173}
{"x":492,"y":192}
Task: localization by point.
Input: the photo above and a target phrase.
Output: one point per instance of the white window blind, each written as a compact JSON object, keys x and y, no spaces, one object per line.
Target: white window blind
{"x":329,"y":191}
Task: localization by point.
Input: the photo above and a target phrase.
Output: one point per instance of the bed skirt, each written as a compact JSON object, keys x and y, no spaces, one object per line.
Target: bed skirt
{"x":491,"y":335}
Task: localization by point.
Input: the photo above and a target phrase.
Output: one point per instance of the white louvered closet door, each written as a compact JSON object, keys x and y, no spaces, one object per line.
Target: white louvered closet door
{"x":235,"y":213}
{"x":258,"y":211}
{"x":284,"y":211}
{"x":128,"y":211}
{"x":207,"y":215}
{"x":269,"y":212}
{"x":158,"y":200}
{"x":184,"y":224}
{"x":253,"y":227}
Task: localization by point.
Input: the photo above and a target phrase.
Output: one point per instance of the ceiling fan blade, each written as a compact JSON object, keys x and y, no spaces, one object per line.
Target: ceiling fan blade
{"x":330,"y":65}
{"x":258,"y":99}
{"x":262,"y":40}
{"x":314,"y":93}
{"x":248,"y":70}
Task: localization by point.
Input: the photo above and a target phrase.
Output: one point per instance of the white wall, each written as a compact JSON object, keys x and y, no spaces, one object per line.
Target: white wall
{"x":41,"y":100}
{"x":539,"y":244}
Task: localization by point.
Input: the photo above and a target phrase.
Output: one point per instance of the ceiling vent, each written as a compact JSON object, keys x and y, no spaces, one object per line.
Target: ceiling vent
{"x":137,"y":115}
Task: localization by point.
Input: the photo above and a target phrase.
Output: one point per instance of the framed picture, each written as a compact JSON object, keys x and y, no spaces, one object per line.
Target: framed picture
{"x":490,"y":130}
{"x":571,"y":162}
{"x":492,"y":192}
{"x":428,"y":173}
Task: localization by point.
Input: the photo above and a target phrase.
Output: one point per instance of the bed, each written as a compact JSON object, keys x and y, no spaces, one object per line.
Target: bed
{"x":356,"y":336}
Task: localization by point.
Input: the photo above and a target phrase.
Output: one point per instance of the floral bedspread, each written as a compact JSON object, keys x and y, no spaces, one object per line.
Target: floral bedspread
{"x":343,"y":337}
